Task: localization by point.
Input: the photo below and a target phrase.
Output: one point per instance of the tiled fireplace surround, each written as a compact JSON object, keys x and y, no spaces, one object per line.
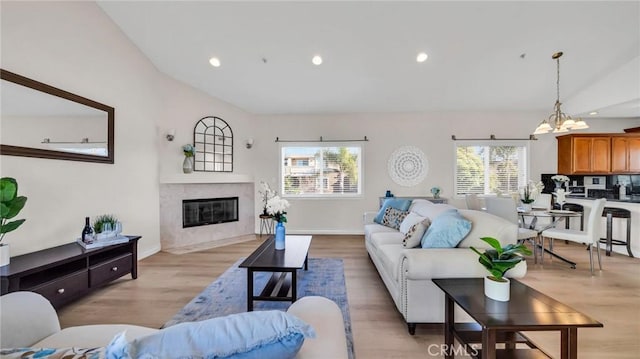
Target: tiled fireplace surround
{"x":172,"y":235}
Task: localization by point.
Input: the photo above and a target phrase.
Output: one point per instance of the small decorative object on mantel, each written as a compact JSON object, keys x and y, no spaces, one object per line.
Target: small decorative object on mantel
{"x":266,"y":193}
{"x":276,"y":207}
{"x":435,"y":191}
{"x":498,"y":261}
{"x":11,"y":204}
{"x":560,"y":180}
{"x":189,"y":151}
{"x":388,"y":194}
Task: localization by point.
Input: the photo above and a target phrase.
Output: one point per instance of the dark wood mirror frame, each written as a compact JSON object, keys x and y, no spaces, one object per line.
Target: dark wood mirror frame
{"x":59,"y":155}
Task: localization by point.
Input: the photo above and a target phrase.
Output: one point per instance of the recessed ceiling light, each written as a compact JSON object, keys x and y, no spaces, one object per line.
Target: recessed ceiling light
{"x":214,"y":61}
{"x":422,"y":57}
{"x":317,"y":60}
{"x":593,"y":113}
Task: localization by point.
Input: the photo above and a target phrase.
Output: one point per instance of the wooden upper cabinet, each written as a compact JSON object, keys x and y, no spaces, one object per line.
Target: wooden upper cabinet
{"x":584,"y":154}
{"x":625,"y":154}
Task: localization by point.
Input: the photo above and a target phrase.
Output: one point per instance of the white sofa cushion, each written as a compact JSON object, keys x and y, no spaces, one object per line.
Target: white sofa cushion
{"x":428,"y":209}
{"x":409,"y":221}
{"x":390,"y":254}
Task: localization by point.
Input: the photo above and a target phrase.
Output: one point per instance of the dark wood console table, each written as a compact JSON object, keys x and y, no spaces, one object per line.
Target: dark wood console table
{"x":67,"y":272}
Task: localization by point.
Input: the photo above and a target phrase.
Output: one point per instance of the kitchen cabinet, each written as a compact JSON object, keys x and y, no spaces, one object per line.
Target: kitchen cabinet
{"x":625,"y":154}
{"x":584,"y":154}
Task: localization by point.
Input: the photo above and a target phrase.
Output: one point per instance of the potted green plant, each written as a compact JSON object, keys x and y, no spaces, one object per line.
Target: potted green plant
{"x":498,"y":260}
{"x":10,"y":205}
{"x":100,"y":221}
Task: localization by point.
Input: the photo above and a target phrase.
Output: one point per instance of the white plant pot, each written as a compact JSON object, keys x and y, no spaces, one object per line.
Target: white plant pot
{"x":497,"y":290}
{"x":5,"y":255}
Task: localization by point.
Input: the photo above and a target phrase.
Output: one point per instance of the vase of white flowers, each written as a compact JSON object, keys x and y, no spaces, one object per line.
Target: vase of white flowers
{"x":560,"y":180}
{"x":276,"y":207}
{"x":529,"y":194}
{"x":189,"y":151}
{"x":266,"y":193}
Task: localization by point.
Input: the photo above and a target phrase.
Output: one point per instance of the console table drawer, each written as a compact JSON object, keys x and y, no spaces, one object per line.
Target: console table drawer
{"x":65,"y":288}
{"x":110,"y":270}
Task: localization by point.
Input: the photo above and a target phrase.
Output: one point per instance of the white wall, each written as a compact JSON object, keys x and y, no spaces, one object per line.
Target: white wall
{"x":431,"y":132}
{"x":75,"y":47}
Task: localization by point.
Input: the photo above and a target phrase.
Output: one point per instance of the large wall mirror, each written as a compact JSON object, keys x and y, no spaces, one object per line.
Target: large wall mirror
{"x":38,"y":120}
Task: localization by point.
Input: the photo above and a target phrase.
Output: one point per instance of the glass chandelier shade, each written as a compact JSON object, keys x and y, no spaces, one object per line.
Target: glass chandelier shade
{"x":558,"y":121}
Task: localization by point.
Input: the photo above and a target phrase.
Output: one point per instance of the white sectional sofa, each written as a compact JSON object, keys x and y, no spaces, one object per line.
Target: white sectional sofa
{"x":407,"y":272}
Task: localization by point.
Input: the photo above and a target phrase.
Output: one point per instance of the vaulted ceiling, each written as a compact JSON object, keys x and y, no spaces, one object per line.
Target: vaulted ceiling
{"x":482,"y":56}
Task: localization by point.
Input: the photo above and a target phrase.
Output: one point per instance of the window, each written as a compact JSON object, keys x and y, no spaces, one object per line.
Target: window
{"x":318,"y":170}
{"x":484,"y":168}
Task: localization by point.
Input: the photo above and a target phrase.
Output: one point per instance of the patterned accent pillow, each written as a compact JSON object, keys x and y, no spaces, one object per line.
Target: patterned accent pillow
{"x":66,"y":353}
{"x":414,"y":234}
{"x":393,"y":217}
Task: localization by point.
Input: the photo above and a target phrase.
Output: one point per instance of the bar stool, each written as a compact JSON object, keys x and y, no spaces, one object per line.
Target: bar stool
{"x":266,"y":224}
{"x":576,"y":208}
{"x":611,"y":213}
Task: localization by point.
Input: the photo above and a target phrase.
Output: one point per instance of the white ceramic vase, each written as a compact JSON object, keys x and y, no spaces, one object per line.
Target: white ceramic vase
{"x":497,"y":290}
{"x":187,"y":164}
{"x":5,"y":255}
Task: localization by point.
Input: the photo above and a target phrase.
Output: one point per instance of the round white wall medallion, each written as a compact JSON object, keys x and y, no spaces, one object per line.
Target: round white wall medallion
{"x":408,"y":166}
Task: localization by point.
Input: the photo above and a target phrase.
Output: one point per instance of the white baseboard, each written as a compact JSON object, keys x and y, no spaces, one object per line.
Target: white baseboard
{"x":149,"y":252}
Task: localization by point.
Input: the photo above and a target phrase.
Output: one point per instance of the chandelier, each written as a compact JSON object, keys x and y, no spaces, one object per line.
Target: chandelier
{"x":559,"y":122}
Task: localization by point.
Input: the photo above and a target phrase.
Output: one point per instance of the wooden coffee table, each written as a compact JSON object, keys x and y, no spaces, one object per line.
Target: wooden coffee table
{"x":282,"y":286}
{"x":501,"y":322}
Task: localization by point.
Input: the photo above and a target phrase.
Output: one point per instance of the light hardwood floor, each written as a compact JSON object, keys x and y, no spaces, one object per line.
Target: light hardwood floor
{"x":167,"y":282}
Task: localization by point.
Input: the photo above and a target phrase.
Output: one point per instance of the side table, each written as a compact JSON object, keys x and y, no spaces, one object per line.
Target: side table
{"x":266,"y":224}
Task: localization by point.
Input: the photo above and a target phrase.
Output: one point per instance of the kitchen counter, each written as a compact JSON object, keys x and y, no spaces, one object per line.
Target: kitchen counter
{"x":630,"y":199}
{"x":619,"y":225}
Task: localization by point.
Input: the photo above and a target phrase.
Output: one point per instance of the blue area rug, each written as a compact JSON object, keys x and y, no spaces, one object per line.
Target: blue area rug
{"x":228,"y":294}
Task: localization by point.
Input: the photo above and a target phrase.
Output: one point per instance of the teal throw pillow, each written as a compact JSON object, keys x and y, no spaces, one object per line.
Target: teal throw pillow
{"x":446,"y":230}
{"x":250,"y":335}
{"x":400,"y":204}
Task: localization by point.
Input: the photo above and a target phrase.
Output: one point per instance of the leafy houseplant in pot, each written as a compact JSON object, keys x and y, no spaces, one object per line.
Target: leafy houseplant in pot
{"x":498,"y":260}
{"x":10,"y":205}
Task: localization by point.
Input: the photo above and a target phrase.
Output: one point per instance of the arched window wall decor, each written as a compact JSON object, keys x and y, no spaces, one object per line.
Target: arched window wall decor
{"x":213,"y":140}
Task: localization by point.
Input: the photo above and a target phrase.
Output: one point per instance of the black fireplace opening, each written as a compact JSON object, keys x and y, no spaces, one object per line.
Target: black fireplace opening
{"x":201,"y":212}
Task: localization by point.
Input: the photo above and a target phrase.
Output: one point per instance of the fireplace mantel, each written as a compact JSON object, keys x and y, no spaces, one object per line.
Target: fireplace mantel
{"x":203,"y":177}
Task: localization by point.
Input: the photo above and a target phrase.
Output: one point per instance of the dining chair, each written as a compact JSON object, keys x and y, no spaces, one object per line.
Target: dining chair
{"x":543,"y":201}
{"x":506,"y":208}
{"x":473,"y":202}
{"x":590,"y":237}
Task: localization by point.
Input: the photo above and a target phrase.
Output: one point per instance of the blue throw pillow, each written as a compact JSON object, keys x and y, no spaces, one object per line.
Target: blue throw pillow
{"x":251,"y":335}
{"x":446,"y":230}
{"x":400,"y":204}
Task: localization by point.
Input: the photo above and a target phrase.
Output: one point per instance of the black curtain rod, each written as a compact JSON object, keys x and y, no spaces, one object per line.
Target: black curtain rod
{"x":493,"y":137}
{"x":323,"y":140}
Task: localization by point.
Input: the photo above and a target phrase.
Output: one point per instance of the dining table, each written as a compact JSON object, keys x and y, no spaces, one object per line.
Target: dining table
{"x":556,"y":216}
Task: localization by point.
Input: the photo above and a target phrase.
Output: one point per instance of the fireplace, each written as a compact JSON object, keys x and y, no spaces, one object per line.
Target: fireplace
{"x":201,"y":212}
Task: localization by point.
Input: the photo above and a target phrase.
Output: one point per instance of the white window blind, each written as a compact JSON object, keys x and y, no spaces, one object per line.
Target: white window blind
{"x":320,"y":170}
{"x":484,"y":168}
